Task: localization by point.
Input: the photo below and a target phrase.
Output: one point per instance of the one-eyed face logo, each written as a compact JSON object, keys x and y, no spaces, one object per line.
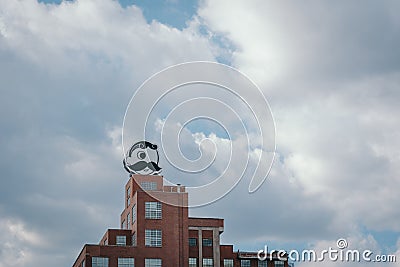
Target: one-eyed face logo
{"x":142,"y":158}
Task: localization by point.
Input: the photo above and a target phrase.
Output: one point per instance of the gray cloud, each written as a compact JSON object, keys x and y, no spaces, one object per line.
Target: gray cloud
{"x":330,"y":71}
{"x":67,"y":73}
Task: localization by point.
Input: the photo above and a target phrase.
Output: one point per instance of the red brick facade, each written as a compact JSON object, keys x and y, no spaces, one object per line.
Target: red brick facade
{"x":173,"y":239}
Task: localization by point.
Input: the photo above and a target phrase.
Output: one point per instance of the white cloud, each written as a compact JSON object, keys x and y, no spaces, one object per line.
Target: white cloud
{"x":329,"y":70}
{"x":368,"y":252}
{"x":334,"y":98}
{"x":17,"y":243}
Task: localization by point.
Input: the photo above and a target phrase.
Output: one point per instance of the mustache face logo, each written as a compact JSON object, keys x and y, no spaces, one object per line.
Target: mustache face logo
{"x":141,"y":165}
{"x":142,"y":158}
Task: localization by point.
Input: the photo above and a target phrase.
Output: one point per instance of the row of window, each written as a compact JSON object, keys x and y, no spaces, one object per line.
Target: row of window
{"x":207,"y":242}
{"x":153,"y":210}
{"x":247,"y":263}
{"x":128,"y":199}
{"x":207,"y":262}
{"x":148,"y":186}
{"x":229,"y":263}
{"x":153,"y":238}
{"x":123,"y":262}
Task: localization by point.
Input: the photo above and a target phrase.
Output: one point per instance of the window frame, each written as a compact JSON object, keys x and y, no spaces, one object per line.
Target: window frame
{"x":96,"y":261}
{"x":118,"y":241}
{"x":134,"y":213}
{"x":192,"y":262}
{"x":148,"y":186}
{"x":153,"y":210}
{"x":208,"y":262}
{"x":134,"y":240}
{"x":124,"y":264}
{"x":128,"y":220}
{"x":228,"y":263}
{"x":245,"y":263}
{"x":153,"y":238}
{"x":152,"y":262}
{"x":128,"y":196}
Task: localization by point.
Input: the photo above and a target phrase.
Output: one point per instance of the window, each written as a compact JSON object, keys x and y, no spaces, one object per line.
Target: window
{"x":279,"y":264}
{"x":134,"y":239}
{"x":152,"y":262}
{"x":192,"y":242}
{"x":121,"y":240}
{"x":128,"y":196}
{"x":148,"y":186}
{"x":83,"y":263}
{"x":126,"y":262}
{"x":192,"y":262}
{"x":153,"y":238}
{"x":208,"y":262}
{"x":207,"y":242}
{"x":105,"y":243}
{"x":262,"y":263}
{"x":152,"y":210}
{"x":128,"y":219}
{"x":228,"y":262}
{"x":99,"y":262}
{"x":245,"y":263}
{"x":134,"y":213}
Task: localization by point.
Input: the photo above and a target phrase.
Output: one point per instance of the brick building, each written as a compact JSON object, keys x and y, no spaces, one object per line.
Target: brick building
{"x":157,"y":234}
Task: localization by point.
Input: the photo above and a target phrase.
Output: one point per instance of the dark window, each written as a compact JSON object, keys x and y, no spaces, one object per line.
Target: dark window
{"x":192,"y":242}
{"x":207,"y":242}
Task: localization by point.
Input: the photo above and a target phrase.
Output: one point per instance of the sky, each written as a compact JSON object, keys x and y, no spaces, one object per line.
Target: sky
{"x":329,"y":69}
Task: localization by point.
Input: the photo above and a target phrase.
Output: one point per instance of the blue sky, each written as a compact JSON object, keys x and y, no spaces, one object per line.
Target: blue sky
{"x":330,"y":71}
{"x":171,"y":12}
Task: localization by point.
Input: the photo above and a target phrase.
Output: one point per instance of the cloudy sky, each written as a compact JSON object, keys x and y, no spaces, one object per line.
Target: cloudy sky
{"x":329,"y":69}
